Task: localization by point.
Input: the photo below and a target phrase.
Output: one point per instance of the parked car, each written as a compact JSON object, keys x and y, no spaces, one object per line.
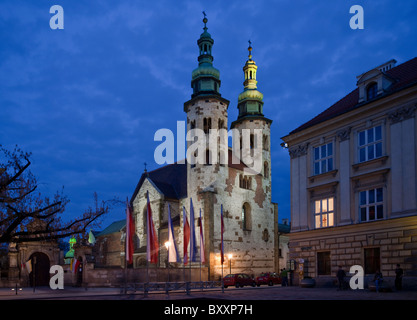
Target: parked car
{"x":238,"y":280}
{"x":269,"y":278}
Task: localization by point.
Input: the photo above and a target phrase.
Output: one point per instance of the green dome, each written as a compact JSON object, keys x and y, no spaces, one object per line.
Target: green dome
{"x":251,"y":94}
{"x":207,"y":70}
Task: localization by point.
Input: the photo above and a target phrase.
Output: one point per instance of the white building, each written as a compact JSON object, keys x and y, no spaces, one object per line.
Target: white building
{"x":354,"y":179}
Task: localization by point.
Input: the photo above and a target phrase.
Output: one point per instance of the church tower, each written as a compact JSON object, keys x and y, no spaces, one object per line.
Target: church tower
{"x":206,"y":111}
{"x":251,"y":116}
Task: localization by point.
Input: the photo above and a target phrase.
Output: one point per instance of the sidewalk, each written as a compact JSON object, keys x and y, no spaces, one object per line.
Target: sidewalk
{"x":247,"y":293}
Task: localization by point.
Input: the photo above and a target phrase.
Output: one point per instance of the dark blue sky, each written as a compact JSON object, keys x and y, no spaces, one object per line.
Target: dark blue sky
{"x":87,"y":100}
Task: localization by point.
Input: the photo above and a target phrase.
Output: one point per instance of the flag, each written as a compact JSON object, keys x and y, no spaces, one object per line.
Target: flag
{"x":202,"y":254}
{"x":186,"y":232}
{"x":193,"y":246}
{"x":173,"y":255}
{"x":74,"y":265}
{"x":28,"y":265}
{"x":222,"y":231}
{"x":91,"y":238}
{"x":152,"y":241}
{"x":130,"y":231}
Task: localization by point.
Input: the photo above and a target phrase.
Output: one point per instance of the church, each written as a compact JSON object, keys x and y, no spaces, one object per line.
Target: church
{"x":250,"y":218}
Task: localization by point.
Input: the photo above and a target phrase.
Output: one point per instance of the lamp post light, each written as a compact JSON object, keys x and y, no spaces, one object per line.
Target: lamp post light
{"x":230,"y":262}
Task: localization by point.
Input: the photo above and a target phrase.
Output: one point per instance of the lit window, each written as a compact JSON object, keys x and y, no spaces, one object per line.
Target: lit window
{"x":370,"y":144}
{"x":371,"y":204}
{"x":323,"y":158}
{"x":324,"y":212}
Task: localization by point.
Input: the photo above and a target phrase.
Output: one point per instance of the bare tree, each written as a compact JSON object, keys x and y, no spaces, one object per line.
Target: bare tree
{"x":26,"y":215}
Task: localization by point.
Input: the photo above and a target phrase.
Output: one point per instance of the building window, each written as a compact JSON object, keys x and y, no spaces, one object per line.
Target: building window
{"x":208,"y":160}
{"x":266,"y":169}
{"x":324,"y":213}
{"x":265,"y":142}
{"x":371,"y":91}
{"x":323,"y":263}
{"x":323,"y":158}
{"x":245,"y":182}
{"x":206,"y":125}
{"x":246,"y":216}
{"x":370,"y":144}
{"x":371,"y":204}
{"x":192,"y":124}
{"x":372,"y":260}
{"x":252,"y":141}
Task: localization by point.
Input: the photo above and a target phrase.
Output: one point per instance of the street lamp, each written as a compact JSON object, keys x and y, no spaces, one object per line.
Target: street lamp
{"x":230,"y":262}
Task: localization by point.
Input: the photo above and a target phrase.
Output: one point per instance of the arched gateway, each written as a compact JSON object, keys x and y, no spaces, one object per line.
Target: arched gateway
{"x":40,"y":270}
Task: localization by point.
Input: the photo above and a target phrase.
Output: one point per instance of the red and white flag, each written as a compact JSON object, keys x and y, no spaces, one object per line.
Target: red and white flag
{"x":75,"y":265}
{"x":130,"y":231}
{"x":186,"y":232}
{"x":152,"y":241}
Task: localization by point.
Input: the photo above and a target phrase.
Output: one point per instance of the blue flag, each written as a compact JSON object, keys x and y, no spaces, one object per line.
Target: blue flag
{"x":193,"y":245}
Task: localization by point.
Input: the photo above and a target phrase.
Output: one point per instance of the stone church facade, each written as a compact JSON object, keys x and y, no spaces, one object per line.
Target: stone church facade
{"x":250,"y":218}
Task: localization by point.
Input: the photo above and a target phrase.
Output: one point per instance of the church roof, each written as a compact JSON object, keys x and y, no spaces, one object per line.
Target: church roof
{"x":170,"y":180}
{"x":405,"y":75}
{"x":115,"y":226}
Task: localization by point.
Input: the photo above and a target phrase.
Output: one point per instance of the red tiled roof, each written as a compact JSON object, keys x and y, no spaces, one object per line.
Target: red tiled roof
{"x":405,"y":75}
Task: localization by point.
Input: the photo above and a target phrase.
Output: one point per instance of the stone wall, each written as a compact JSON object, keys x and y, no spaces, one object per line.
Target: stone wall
{"x":115,"y":277}
{"x":395,"y":238}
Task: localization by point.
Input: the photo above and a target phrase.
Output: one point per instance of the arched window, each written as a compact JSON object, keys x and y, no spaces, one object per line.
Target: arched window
{"x":208,"y":160}
{"x":195,"y":159}
{"x":246,"y":217}
{"x":371,"y":91}
{"x":206,"y":125}
{"x":265,"y":142}
{"x":266,"y":169}
{"x":245,"y":182}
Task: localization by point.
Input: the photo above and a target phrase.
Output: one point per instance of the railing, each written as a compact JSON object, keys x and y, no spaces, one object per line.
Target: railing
{"x":167,"y":287}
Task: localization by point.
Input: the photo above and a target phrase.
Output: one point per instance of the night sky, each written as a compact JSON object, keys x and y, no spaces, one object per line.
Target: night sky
{"x":88,"y":99}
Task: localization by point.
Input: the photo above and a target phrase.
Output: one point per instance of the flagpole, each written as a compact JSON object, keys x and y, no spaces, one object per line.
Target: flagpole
{"x":126,"y":240}
{"x":222,"y":279}
{"x":222,"y":244}
{"x":201,"y":284}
